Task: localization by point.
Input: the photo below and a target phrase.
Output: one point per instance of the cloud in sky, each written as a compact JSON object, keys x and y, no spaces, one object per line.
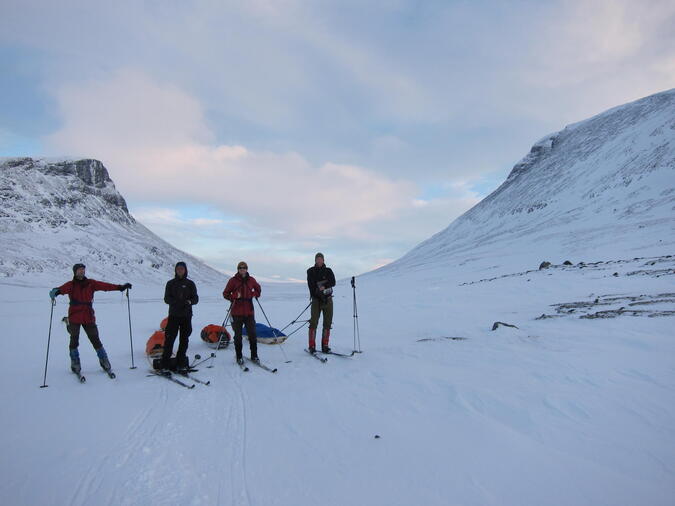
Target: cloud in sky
{"x":147,"y":130}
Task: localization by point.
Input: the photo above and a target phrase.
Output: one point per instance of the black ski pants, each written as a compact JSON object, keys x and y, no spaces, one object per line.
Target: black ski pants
{"x":174,"y":325}
{"x":90,"y":329}
{"x":238,"y":323}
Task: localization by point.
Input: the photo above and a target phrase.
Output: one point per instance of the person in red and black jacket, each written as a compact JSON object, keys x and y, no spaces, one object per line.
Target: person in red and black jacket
{"x":240,"y":290}
{"x":81,"y":313}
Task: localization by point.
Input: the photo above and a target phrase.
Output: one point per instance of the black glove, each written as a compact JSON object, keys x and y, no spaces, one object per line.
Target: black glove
{"x":188,"y":302}
{"x":125,"y":286}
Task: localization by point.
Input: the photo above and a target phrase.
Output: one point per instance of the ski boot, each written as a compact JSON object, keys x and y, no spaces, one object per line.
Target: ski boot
{"x":324,"y":341}
{"x":103,"y":360}
{"x":240,"y":360}
{"x":312,"y":341}
{"x":160,"y":367}
{"x":182,"y":365}
{"x":75,"y":361}
{"x":255,"y":359}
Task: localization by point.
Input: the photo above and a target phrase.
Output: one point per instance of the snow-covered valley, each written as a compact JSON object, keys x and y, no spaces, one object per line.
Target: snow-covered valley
{"x":558,"y":411}
{"x":571,"y":403}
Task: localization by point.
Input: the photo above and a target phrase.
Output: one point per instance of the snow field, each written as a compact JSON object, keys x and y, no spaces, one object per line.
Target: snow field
{"x":561,"y":411}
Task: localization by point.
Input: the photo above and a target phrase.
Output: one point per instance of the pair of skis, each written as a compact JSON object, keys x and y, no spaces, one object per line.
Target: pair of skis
{"x":316,"y":355}
{"x":169,"y":376}
{"x":82,"y":379}
{"x":172,"y":377}
{"x":257,"y":363}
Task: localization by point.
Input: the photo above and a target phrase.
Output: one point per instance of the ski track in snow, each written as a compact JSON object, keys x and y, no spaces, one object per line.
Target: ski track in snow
{"x":236,"y":421}
{"x":150,"y":442}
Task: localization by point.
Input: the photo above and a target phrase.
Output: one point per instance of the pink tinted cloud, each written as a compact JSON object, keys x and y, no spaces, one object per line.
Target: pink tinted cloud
{"x":154,"y":139}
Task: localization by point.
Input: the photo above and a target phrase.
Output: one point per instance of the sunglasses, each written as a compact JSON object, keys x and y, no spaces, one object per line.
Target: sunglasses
{"x":242,"y":268}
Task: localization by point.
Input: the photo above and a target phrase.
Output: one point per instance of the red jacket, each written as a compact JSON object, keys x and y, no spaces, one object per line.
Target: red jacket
{"x":81,"y":296}
{"x":241,"y":291}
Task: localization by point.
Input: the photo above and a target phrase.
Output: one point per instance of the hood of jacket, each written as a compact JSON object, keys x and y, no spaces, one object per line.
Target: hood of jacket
{"x":180,"y":264}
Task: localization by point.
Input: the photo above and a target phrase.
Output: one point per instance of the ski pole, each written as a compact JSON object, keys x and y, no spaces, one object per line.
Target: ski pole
{"x":273,"y":331}
{"x":227,"y":317}
{"x":220,"y":337}
{"x":131,"y":339}
{"x":49,"y":338}
{"x":357,"y":333}
{"x":198,"y":357}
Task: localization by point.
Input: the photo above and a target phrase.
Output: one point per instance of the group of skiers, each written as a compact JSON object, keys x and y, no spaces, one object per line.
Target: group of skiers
{"x":181,"y":294}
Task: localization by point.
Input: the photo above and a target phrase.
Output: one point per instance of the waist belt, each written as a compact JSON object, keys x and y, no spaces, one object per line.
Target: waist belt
{"x":79,"y":303}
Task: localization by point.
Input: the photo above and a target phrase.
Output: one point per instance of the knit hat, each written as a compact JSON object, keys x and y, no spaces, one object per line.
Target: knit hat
{"x":242,"y":264}
{"x":77,"y":266}
{"x":318,"y":255}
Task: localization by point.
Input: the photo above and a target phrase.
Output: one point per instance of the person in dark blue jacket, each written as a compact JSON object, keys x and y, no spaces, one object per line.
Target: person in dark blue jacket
{"x":180,"y":294}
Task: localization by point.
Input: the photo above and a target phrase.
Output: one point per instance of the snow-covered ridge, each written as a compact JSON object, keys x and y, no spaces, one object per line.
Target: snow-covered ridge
{"x":602,"y":188}
{"x":58,"y":212}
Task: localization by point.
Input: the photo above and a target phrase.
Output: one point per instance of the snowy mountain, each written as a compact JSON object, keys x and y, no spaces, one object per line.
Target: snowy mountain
{"x":603,"y":188}
{"x":57,"y":213}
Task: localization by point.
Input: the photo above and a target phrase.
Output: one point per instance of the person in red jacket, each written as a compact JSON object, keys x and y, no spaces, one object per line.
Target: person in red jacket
{"x":240,"y":290}
{"x":81,"y":313}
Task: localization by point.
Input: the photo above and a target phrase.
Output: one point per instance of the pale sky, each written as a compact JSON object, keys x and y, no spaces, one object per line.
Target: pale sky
{"x":268,"y":130}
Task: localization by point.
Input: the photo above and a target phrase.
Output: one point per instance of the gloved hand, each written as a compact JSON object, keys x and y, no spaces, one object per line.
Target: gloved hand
{"x":125,"y":286}
{"x":53,"y":293}
{"x":188,"y":302}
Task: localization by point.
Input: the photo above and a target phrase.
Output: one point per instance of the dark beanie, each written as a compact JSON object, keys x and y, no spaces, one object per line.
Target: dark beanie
{"x":77,"y":266}
{"x":318,"y":255}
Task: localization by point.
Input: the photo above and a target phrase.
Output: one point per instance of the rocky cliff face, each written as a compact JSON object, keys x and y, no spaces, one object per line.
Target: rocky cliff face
{"x":600,"y":189}
{"x":56,"y":213}
{"x":50,"y":195}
